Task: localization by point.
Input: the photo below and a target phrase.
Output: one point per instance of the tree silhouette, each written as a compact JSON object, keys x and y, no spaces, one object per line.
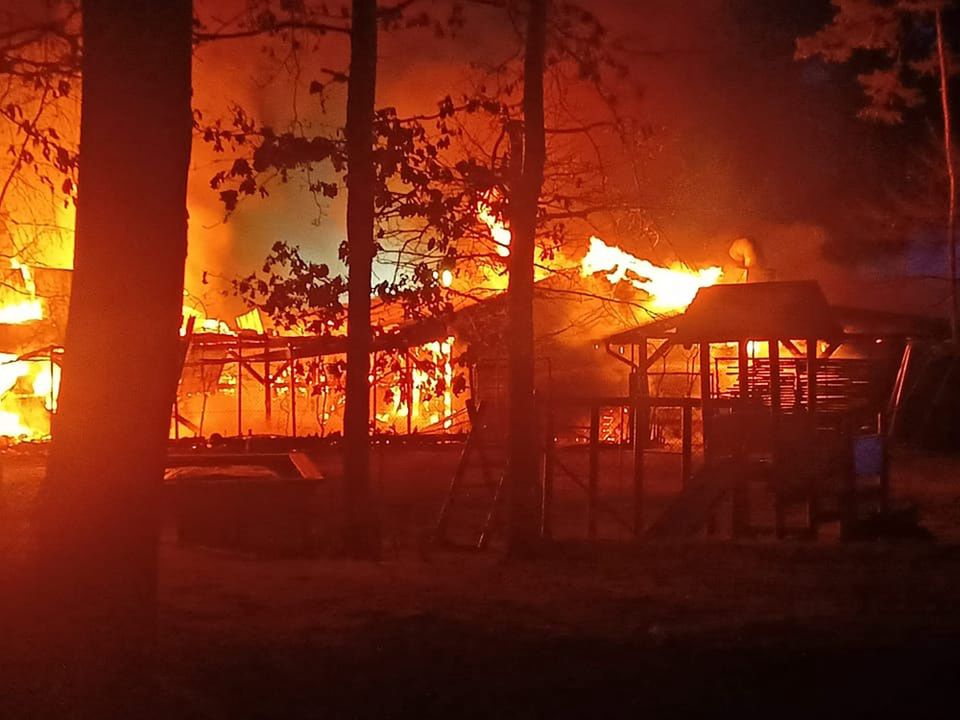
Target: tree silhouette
{"x":362,"y":538}
{"x":433,"y":172}
{"x":528,"y":156}
{"x":39,"y":73}
{"x":100,"y":499}
{"x":905,"y":40}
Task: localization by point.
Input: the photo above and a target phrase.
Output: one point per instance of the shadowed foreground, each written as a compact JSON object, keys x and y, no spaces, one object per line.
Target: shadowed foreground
{"x":698,"y":629}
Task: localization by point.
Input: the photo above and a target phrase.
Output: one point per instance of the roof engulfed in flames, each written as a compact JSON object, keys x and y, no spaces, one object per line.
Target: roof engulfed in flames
{"x":670,"y":289}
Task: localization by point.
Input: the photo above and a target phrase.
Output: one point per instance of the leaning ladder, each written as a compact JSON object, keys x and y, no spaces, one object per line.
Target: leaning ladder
{"x":488,"y":492}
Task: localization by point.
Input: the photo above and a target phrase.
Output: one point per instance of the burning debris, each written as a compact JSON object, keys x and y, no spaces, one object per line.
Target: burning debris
{"x":232,"y":367}
{"x":670,"y":289}
{"x":498,"y":231}
{"x":29,"y":378}
{"x":27,"y":309}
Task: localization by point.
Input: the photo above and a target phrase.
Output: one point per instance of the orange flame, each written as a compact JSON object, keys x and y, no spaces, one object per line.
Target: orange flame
{"x":28,"y":388}
{"x":670,"y":288}
{"x":26,"y":310}
{"x":425,"y":413}
{"x":498,"y":231}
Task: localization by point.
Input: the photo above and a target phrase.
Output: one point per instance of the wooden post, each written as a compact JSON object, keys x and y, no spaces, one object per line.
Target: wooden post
{"x":594,"y":473}
{"x":239,"y":386}
{"x":293,"y":391}
{"x":776,"y":404}
{"x":639,"y":392}
{"x":740,"y":517}
{"x":743,"y":370}
{"x":849,"y":510}
{"x":408,"y":387}
{"x":686,"y":446}
{"x":813,"y":491}
{"x":267,"y":380}
{"x":176,"y":416}
{"x":546,"y":497}
{"x":705,"y":404}
{"x":372,"y":417}
{"x":53,"y":396}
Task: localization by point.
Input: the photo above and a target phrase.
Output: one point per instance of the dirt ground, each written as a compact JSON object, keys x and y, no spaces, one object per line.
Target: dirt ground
{"x":705,"y":628}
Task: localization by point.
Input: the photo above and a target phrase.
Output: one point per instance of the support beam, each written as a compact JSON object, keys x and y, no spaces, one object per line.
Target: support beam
{"x":776,"y":404}
{"x":743,"y":370}
{"x":791,"y":346}
{"x":813,"y":491}
{"x":740,"y":501}
{"x":593,"y":481}
{"x":705,"y":399}
{"x":686,"y":446}
{"x":239,"y":386}
{"x":639,"y":394}
{"x":267,"y":386}
{"x":293,"y":390}
{"x":647,"y":362}
{"x":546,"y":496}
{"x":408,"y":389}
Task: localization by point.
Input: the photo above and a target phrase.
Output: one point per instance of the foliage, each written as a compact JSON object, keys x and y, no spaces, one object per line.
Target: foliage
{"x":899,"y":41}
{"x":39,"y":88}
{"x":433,"y":171}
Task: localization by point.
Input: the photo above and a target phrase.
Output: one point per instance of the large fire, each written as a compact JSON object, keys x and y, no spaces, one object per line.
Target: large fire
{"x":29,"y":308}
{"x":415,"y":395}
{"x":498,"y":230}
{"x":671,"y":289}
{"x":28,"y":387}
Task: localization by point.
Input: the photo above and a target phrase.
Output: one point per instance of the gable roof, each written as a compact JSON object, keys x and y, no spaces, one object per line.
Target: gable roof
{"x":748,"y":311}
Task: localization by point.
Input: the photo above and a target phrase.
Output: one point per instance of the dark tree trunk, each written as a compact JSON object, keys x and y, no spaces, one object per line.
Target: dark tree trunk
{"x":523,"y":458}
{"x":98,"y":518}
{"x":361,"y":537}
{"x":944,"y":68}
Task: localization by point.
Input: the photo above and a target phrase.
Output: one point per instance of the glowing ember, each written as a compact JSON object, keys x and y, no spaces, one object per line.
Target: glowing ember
{"x":670,"y":288}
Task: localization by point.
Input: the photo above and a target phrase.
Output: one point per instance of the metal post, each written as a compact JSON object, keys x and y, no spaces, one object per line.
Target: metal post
{"x":594,"y":476}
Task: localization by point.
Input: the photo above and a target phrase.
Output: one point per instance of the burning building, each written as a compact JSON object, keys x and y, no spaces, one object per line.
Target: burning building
{"x":33,"y":314}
